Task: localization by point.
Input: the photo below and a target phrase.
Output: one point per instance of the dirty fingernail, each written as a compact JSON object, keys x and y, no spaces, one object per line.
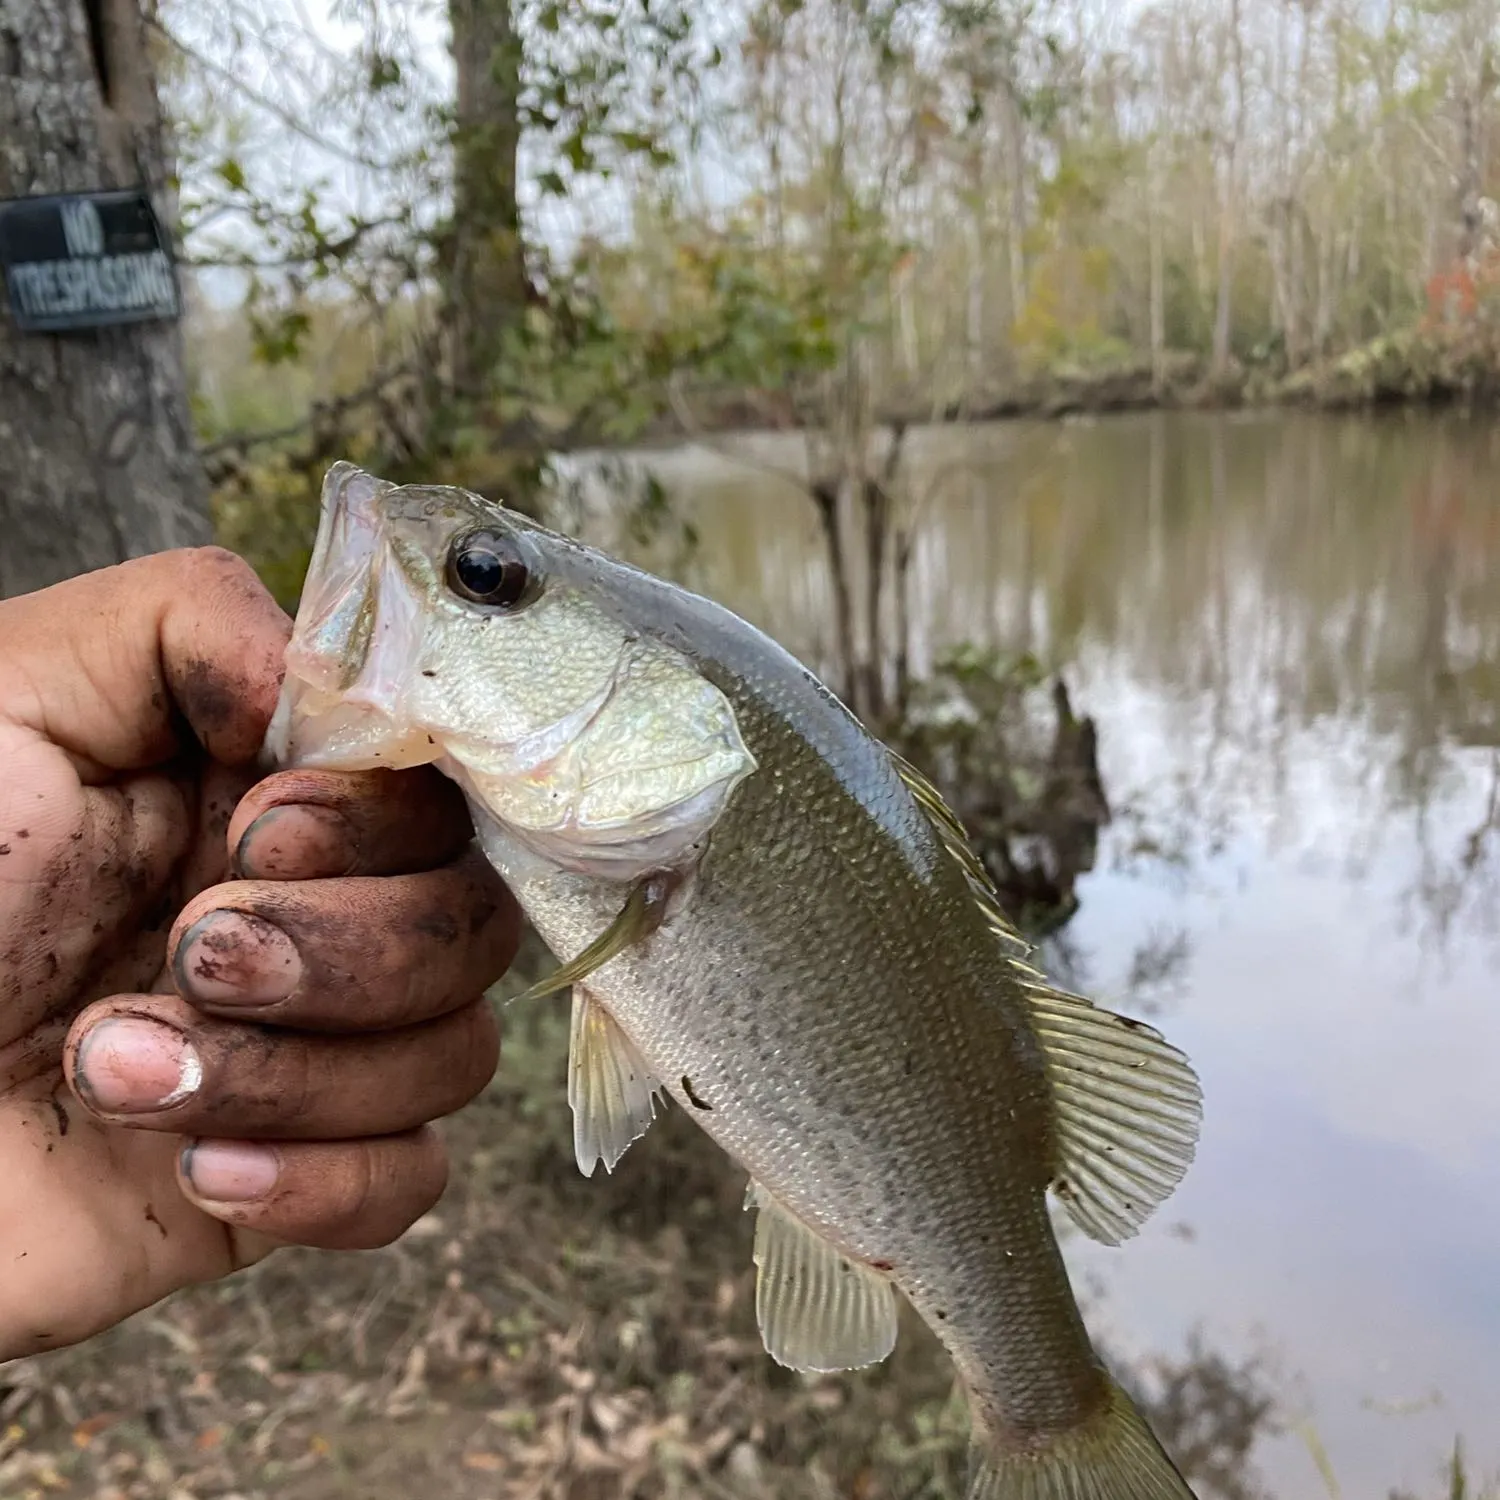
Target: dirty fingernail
{"x":129,"y":1065}
{"x":298,"y":843}
{"x":234,"y":958}
{"x":230,"y":1171}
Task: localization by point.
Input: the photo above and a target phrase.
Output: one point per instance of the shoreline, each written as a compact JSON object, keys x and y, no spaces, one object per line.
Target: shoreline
{"x":1412,"y":371}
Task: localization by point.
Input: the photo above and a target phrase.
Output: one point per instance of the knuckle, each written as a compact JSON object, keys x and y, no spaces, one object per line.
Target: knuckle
{"x":380,"y":1187}
{"x":218,"y":563}
{"x":296,"y":1082}
{"x":349,"y":1189}
{"x":478,"y":1048}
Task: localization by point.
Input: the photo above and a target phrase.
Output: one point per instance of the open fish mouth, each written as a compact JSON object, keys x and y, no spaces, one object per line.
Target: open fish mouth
{"x":358,"y":632}
{"x":341,"y":595}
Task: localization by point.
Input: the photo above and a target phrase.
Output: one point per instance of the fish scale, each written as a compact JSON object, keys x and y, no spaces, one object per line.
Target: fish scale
{"x":769,"y":918}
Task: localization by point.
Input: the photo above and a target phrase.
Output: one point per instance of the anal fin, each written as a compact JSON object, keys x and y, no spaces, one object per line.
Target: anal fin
{"x":610,"y":1089}
{"x":817,"y":1309}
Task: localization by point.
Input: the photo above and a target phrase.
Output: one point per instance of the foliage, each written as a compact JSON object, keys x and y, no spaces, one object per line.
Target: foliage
{"x":834,"y":209}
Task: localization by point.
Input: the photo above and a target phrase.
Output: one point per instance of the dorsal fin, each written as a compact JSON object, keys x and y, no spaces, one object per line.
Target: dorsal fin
{"x":1126,"y":1103}
{"x":956,"y":841}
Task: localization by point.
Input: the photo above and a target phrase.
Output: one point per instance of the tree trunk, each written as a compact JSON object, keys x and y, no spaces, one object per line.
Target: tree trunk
{"x":1297,"y":222}
{"x":974,"y":304}
{"x":906,"y":316}
{"x":489,"y":289}
{"x":1327,"y":291}
{"x":1015,"y":135}
{"x":100,"y":461}
{"x":1475,"y":80}
{"x":1468,"y":214}
{"x":1157,"y":312}
{"x":1283,"y":301}
{"x":824,"y":490}
{"x":1229,"y":205}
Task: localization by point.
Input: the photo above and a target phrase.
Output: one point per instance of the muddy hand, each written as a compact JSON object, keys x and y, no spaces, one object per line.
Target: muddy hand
{"x":228,"y":1011}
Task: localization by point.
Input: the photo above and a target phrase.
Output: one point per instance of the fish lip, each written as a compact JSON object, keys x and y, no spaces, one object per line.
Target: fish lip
{"x":350,"y":494}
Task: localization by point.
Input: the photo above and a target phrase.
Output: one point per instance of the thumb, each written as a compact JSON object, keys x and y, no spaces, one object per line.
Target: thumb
{"x":112,"y":665}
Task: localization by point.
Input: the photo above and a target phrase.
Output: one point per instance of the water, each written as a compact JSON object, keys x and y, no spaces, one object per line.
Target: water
{"x":1287,"y":629}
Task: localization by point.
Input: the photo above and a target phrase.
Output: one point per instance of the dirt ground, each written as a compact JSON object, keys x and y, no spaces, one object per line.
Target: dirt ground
{"x":539,"y":1336}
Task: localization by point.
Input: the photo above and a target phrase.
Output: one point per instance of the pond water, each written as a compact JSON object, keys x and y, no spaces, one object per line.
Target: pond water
{"x":1288,"y":630}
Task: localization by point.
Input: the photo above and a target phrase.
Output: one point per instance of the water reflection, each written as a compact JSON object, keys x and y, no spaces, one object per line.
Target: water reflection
{"x":1288,"y":628}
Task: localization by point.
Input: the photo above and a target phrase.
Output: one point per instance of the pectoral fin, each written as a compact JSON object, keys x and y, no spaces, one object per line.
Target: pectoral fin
{"x":817,"y":1310}
{"x":640,"y":916}
{"x":611,"y":1090}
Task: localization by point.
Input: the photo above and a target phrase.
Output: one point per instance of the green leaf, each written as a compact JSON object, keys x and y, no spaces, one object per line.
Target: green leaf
{"x":385,"y":72}
{"x":279,"y":338}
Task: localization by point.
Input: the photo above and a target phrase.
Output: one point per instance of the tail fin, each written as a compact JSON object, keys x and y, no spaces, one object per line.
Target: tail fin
{"x":1114,"y":1456}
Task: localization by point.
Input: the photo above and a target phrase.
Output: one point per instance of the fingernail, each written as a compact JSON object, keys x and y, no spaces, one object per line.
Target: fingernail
{"x":234,"y":958}
{"x":128,"y":1065}
{"x":230,"y":1171}
{"x":298,"y":842}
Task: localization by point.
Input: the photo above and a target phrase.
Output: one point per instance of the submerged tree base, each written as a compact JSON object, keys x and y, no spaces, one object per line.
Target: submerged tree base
{"x":1020,"y":769}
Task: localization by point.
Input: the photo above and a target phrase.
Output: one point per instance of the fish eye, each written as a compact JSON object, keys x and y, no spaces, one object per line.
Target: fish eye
{"x":486,"y":567}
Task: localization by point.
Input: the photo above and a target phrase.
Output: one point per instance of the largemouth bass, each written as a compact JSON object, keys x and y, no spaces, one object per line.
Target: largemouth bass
{"x":769,"y":918}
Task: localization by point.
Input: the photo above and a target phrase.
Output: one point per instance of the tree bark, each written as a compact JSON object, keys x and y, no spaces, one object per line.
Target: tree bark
{"x":906,"y":321}
{"x":1468,"y":214}
{"x":974,"y":302}
{"x":489,"y":289}
{"x":101,"y":461}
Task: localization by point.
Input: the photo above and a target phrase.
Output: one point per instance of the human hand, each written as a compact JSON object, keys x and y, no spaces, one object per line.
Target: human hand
{"x":196,"y":1069}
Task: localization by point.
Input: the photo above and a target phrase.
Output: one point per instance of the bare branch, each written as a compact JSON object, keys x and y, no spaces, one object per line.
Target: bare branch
{"x":699,"y":437}
{"x":277,"y":111}
{"x":221,"y":455}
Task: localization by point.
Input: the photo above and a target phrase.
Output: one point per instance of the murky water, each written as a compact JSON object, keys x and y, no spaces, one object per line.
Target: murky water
{"x":1288,"y":629}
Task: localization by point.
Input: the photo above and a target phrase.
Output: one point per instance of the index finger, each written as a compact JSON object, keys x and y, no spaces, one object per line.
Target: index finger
{"x":109,"y":665}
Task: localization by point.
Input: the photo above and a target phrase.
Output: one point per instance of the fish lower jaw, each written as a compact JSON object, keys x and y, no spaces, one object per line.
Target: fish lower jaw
{"x":519,"y":854}
{"x":622,"y":863}
{"x":618,"y":854}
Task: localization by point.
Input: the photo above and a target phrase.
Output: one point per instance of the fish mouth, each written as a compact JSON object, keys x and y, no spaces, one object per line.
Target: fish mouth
{"x":336,"y":617}
{"x":356,"y":636}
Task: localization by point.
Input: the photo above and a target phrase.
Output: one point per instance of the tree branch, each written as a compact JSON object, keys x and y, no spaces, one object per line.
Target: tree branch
{"x":220,"y":455}
{"x":698,"y":436}
{"x":277,"y":111}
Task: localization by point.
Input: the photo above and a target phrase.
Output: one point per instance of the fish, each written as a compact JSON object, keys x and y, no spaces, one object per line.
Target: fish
{"x":767,"y":917}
